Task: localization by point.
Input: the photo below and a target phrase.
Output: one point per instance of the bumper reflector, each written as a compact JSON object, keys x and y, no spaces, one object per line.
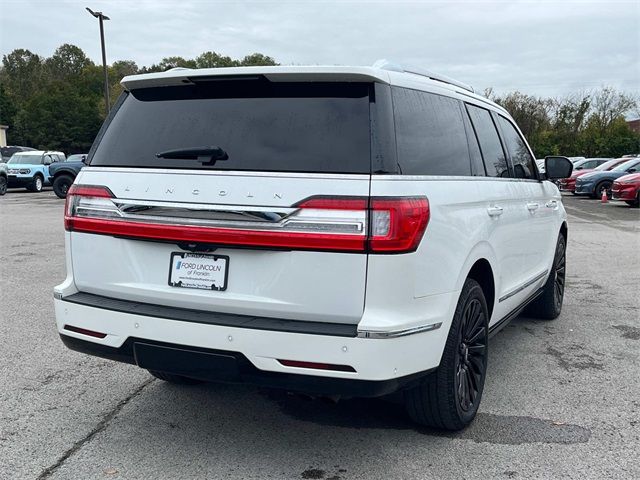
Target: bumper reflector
{"x":84,"y":331}
{"x":317,"y":366}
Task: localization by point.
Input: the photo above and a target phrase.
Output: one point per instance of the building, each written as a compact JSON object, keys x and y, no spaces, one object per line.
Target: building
{"x":3,"y":135}
{"x":634,"y":125}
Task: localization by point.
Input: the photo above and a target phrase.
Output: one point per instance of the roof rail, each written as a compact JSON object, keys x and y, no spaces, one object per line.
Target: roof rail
{"x":386,"y":65}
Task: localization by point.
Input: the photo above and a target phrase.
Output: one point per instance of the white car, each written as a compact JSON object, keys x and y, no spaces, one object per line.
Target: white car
{"x":343,"y":231}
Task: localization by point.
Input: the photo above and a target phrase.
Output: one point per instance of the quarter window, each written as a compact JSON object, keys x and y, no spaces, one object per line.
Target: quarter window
{"x":494,"y":158}
{"x":521,"y":158}
{"x":430,"y":134}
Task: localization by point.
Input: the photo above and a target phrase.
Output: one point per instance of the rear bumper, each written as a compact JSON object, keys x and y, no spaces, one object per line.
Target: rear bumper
{"x":232,"y":367}
{"x":255,"y":344}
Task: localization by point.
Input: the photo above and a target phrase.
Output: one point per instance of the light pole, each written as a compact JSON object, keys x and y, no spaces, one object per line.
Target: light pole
{"x":101,"y":16}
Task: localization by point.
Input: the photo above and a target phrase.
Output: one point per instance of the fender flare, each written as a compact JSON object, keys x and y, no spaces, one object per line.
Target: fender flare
{"x":64,"y":171}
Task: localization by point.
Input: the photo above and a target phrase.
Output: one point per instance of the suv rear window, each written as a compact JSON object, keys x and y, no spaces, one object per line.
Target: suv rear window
{"x":262,"y":126}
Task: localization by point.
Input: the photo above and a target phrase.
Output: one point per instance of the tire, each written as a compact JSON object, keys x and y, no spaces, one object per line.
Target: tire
{"x":632,"y":203}
{"x":61,"y":185}
{"x":3,"y":185}
{"x":443,"y":399}
{"x":175,"y":379}
{"x":549,"y":305}
{"x":36,"y":185}
{"x":603,"y":185}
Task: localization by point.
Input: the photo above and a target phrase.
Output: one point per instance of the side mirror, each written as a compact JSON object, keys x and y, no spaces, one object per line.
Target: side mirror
{"x":47,"y":161}
{"x":632,"y":170}
{"x":579,"y":168}
{"x":557,"y":167}
{"x":84,"y":159}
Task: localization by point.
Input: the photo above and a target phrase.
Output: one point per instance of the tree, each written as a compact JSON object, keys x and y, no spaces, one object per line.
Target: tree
{"x":66,"y":62}
{"x":7,"y":108}
{"x":530,"y":113}
{"x":256,"y":59}
{"x":581,"y":124}
{"x":122,"y":68}
{"x":59,"y":118}
{"x":214,"y":60}
{"x":610,"y":105}
{"x":173,"y":62}
{"x":22,"y":74}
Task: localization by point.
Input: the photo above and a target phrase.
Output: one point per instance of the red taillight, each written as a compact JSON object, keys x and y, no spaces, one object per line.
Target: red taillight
{"x":317,"y":366}
{"x":74,"y":194}
{"x":344,"y":224}
{"x":397,"y":224}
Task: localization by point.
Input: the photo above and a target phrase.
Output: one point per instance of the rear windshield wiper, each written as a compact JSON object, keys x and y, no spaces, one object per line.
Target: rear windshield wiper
{"x":206,"y":155}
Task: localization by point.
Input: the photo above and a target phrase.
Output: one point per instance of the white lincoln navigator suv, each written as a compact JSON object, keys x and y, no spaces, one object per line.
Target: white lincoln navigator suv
{"x":343,"y":231}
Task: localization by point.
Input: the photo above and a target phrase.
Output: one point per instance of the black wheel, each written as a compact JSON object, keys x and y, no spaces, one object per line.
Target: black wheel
{"x":549,"y":305}
{"x":61,"y":185}
{"x":448,"y":398}
{"x":36,"y":185}
{"x":604,"y":185}
{"x":3,"y":185}
{"x":177,"y":379}
{"x":632,"y":203}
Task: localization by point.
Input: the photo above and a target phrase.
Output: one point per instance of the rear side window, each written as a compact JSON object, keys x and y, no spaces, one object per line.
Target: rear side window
{"x":521,"y":158}
{"x":430,"y":134}
{"x":477,"y":165}
{"x":262,"y":126}
{"x":495,"y":160}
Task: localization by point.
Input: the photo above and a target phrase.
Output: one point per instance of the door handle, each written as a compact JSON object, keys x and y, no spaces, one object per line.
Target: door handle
{"x":495,"y":211}
{"x":532,"y":207}
{"x":551,"y":204}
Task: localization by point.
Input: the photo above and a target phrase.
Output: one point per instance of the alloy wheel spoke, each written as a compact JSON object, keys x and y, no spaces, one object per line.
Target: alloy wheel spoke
{"x":473,"y":386}
{"x":477,"y":325}
{"x":477,"y":333}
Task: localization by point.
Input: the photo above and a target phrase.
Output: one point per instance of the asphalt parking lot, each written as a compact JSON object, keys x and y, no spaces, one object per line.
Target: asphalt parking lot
{"x":561,"y":398}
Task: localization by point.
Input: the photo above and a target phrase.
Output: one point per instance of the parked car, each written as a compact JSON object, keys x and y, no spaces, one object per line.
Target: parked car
{"x":589,"y":163}
{"x":8,"y":151}
{"x":62,"y":175}
{"x":569,"y":184}
{"x":291,"y":227}
{"x":31,"y":169}
{"x":594,"y":183}
{"x":3,"y":179}
{"x":627,"y":189}
{"x":576,"y":159}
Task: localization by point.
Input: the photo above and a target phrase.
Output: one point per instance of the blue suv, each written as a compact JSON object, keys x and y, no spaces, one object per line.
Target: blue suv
{"x":31,"y":169}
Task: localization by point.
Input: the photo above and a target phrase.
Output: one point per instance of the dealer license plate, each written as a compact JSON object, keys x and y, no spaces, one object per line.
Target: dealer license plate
{"x":199,"y":270}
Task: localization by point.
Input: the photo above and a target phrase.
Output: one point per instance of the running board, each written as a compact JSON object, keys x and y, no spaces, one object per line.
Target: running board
{"x":499,"y":325}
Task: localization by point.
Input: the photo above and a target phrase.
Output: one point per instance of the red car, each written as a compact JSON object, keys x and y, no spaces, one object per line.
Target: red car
{"x":627,"y":189}
{"x":569,"y":184}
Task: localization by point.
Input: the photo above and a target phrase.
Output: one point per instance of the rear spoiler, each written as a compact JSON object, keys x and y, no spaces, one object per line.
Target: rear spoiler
{"x":188,"y":76}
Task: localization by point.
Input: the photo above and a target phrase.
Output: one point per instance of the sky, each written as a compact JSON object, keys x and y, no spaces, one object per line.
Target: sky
{"x":546,"y":48}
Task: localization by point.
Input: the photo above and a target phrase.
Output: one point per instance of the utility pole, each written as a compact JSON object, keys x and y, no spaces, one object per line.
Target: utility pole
{"x":101,"y":17}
